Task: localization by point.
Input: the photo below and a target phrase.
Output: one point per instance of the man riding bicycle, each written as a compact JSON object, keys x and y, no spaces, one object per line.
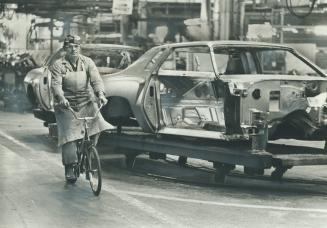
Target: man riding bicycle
{"x":76,"y":82}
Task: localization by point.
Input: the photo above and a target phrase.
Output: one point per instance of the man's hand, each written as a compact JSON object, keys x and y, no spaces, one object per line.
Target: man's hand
{"x":103,"y":100}
{"x":64,"y":102}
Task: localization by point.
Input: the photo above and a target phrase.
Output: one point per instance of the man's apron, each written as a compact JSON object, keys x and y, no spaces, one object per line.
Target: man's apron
{"x":78,"y":92}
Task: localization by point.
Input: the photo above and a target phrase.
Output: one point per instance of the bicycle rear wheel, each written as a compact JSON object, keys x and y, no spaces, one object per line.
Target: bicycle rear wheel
{"x":93,"y":171}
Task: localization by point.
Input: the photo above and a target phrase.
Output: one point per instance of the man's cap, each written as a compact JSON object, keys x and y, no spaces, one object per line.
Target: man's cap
{"x":72,"y":39}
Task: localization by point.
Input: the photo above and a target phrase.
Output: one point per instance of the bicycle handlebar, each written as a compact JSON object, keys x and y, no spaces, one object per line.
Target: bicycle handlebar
{"x":87,"y":117}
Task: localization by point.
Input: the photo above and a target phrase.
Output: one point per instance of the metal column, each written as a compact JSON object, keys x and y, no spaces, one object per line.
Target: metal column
{"x":224,"y":25}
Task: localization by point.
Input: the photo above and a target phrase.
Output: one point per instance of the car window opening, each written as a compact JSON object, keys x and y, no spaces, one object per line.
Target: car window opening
{"x":232,"y":61}
{"x":189,"y":59}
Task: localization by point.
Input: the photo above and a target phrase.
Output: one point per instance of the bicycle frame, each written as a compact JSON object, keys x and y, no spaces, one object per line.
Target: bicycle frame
{"x":82,"y":150}
{"x":85,"y":142}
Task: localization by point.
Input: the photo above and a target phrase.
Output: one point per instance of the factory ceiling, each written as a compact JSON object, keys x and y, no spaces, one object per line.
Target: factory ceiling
{"x":57,"y":8}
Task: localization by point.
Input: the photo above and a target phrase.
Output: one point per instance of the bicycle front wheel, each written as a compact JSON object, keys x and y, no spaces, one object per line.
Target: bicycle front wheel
{"x":93,"y":171}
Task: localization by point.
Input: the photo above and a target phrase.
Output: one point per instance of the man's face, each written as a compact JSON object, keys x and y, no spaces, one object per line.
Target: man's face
{"x":73,"y":49}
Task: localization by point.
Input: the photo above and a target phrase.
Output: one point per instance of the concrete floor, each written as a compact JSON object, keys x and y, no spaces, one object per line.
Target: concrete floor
{"x":157,"y":193}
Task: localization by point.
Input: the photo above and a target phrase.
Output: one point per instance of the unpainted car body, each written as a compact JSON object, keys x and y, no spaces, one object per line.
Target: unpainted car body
{"x":109,"y":58}
{"x":220,"y":90}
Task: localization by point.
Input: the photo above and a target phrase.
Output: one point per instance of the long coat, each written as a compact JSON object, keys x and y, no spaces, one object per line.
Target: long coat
{"x":79,"y":86}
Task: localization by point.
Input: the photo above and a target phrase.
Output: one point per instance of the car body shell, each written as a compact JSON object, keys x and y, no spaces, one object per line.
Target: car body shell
{"x":214,"y":104}
{"x":138,"y":80}
{"x":106,"y":56}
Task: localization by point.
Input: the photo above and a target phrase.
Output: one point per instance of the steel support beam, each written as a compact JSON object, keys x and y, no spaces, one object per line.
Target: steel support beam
{"x":224,"y":25}
{"x":58,"y":8}
{"x":219,"y":153}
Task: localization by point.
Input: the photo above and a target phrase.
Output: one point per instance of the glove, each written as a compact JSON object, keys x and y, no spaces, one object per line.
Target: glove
{"x":103,"y":100}
{"x":64,"y":102}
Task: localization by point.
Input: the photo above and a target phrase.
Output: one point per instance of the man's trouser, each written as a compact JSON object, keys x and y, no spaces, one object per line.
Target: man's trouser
{"x":69,"y":150}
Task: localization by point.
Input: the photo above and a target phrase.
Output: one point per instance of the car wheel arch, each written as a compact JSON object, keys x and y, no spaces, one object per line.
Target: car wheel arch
{"x":118,"y":111}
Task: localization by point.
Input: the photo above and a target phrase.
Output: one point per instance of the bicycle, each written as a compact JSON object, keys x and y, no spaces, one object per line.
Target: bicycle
{"x":88,"y":157}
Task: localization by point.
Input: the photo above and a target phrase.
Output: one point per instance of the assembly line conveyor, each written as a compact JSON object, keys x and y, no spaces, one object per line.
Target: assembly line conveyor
{"x":224,"y":155}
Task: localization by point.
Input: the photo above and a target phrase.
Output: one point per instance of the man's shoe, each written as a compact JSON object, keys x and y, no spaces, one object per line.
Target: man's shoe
{"x":70,"y":174}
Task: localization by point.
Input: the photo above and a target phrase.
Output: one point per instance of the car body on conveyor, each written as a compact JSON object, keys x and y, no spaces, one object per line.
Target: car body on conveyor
{"x":220,"y":90}
{"x":109,"y":58}
{"x":224,"y":90}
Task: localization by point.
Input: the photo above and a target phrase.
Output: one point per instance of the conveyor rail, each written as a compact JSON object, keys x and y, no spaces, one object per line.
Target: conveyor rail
{"x":238,"y":153}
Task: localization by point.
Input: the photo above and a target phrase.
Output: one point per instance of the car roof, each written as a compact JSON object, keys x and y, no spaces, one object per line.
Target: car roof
{"x":227,"y":43}
{"x":110,"y":46}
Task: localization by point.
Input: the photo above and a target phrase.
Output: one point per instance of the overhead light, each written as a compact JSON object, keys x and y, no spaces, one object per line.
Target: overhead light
{"x":59,"y":23}
{"x":11,"y":6}
{"x":320,"y":30}
{"x":292,"y":30}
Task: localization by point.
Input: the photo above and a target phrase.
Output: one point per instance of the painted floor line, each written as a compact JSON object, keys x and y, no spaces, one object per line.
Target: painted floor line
{"x":252,"y":206}
{"x":5,"y":135}
{"x":143,"y":206}
{"x":120,"y":194}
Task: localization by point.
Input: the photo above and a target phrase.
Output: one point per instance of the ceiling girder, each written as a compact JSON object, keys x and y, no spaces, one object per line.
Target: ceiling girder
{"x":59,"y":8}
